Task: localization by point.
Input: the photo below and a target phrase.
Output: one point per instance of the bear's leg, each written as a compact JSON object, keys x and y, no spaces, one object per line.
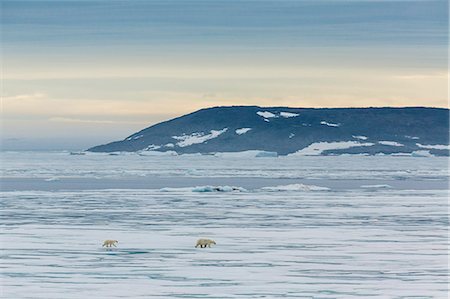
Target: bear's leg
{"x":209,"y":245}
{"x":114,"y":244}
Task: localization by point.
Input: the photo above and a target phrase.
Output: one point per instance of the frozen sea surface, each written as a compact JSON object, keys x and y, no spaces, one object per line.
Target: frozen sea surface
{"x":367,"y":240}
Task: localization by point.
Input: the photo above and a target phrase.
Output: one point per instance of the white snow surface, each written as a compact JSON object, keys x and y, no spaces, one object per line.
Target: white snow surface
{"x":295,"y":187}
{"x":151,"y":153}
{"x":329,"y":124}
{"x":360,"y":137}
{"x":390,"y":143}
{"x":287,"y":241}
{"x":242,"y":130}
{"x":266,"y":114}
{"x":135,"y":137}
{"x":434,"y":146}
{"x":288,"y":114}
{"x":198,"y":137}
{"x":152,"y":147}
{"x":318,"y":148}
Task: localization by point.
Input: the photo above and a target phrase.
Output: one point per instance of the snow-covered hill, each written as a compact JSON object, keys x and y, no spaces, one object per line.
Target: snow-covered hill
{"x":299,"y":131}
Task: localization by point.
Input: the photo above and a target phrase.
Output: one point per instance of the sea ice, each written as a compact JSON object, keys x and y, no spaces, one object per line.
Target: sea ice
{"x":295,"y":187}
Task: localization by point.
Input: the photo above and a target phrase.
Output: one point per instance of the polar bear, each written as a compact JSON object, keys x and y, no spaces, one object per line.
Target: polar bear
{"x":110,"y":243}
{"x":204,"y":242}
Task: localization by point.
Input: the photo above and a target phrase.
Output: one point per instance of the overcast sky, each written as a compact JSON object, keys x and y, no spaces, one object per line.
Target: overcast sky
{"x":80,"y":73}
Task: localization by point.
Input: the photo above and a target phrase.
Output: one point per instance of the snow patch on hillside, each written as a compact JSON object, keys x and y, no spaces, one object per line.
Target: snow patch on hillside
{"x":412,"y":137}
{"x":152,"y":147}
{"x":390,"y":143}
{"x":198,"y":137}
{"x":134,"y":137}
{"x":242,"y":130}
{"x":359,"y":137}
{"x":288,"y":114}
{"x":266,"y":114}
{"x":317,"y":148}
{"x":434,"y":146}
{"x":329,"y":124}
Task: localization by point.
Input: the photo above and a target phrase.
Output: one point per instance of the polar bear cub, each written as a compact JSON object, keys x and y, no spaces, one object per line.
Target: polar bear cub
{"x":204,"y":242}
{"x":110,"y":243}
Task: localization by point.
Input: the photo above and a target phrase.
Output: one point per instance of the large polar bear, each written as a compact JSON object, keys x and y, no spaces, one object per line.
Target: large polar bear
{"x":204,"y":242}
{"x":110,"y":243}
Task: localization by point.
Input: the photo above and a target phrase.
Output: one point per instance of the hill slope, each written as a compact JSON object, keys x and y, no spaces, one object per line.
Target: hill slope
{"x":289,"y":130}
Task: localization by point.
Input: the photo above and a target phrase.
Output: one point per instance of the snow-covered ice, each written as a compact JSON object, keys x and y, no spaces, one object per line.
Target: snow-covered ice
{"x":296,"y":187}
{"x":379,"y":186}
{"x":277,"y":241}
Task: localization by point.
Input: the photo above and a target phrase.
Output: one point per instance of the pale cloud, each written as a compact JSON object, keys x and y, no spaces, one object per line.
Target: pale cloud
{"x":423,"y":76}
{"x":93,"y":121}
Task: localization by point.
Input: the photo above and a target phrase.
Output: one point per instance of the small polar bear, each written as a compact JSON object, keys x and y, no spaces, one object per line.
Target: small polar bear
{"x":204,"y":242}
{"x":110,"y":243}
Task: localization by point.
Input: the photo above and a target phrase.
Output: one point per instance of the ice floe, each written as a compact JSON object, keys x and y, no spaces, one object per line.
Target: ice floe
{"x":205,"y":189}
{"x":380,"y":186}
{"x":295,"y":187}
{"x":52,"y":179}
{"x":198,"y":137}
